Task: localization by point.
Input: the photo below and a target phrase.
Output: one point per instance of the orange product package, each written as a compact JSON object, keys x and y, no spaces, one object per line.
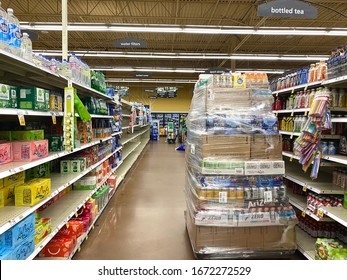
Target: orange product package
{"x":72,"y":229}
{"x":58,"y":247}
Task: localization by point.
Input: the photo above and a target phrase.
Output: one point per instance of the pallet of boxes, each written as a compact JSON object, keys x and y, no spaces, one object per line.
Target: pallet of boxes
{"x":237,"y":205}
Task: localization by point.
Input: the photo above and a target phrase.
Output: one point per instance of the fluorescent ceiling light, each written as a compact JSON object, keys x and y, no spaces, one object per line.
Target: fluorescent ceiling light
{"x":190,"y":56}
{"x":177,"y":70}
{"x":190,"y":29}
{"x":162,"y":81}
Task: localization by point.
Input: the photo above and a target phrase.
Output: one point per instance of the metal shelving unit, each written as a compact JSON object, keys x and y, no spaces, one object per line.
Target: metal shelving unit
{"x":296,"y":88}
{"x":305,"y":243}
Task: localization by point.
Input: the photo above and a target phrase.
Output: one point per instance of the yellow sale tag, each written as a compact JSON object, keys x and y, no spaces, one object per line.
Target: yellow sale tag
{"x":87,"y":237}
{"x":320,"y":213}
{"x":67,"y":225}
{"x":276,"y":114}
{"x":292,"y":114}
{"x":84,"y":206}
{"x":293,"y":90}
{"x":291,"y":159}
{"x":54,"y":119}
{"x":303,"y":213}
{"x":76,"y":215}
{"x":305,"y":87}
{"x":276,"y":94}
{"x":305,"y":113}
{"x":304,"y":188}
{"x":21,"y":120}
{"x":93,"y":227}
{"x":79,"y":249}
{"x":291,"y":136}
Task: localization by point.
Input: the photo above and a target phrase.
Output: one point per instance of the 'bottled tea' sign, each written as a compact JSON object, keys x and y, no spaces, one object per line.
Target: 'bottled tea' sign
{"x":287,"y":8}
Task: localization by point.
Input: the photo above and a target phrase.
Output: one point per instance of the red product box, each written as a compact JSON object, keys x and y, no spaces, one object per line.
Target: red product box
{"x":86,"y":221}
{"x":29,"y":150}
{"x":111,"y":181}
{"x":58,"y":247}
{"x":6,"y":153}
{"x":73,"y":228}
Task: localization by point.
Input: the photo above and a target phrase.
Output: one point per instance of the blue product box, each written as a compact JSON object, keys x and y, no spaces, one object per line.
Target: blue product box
{"x":21,"y":252}
{"x":21,"y":231}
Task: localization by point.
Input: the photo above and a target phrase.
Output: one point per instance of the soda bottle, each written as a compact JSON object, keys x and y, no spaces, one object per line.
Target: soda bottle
{"x":14,"y":33}
{"x":3,"y":29}
{"x":26,"y":48}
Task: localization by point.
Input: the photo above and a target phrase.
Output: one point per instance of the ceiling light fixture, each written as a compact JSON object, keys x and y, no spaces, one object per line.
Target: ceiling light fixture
{"x":190,"y":29}
{"x":162,"y":81}
{"x":190,"y":56}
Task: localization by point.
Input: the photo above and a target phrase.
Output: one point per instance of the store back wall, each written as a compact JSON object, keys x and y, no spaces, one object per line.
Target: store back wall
{"x":181,"y":103}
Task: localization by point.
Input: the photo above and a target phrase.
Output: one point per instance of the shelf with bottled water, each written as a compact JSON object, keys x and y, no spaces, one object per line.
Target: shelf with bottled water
{"x":297,"y":88}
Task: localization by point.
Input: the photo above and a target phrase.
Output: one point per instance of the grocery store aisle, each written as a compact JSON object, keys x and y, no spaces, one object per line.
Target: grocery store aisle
{"x":145,"y":219}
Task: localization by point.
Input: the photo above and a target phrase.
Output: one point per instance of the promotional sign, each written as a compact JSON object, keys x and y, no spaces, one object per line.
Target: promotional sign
{"x":166,"y":92}
{"x":287,"y":8}
{"x":131,"y":43}
{"x":149,"y":90}
{"x":142,"y":75}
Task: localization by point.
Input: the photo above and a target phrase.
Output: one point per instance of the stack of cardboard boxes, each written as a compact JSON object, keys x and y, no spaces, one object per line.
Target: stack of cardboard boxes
{"x":236,"y":201}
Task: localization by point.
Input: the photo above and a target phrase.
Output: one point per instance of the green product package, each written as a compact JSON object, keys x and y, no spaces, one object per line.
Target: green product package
{"x":83,"y":188}
{"x":27,"y":135}
{"x":8,"y":96}
{"x":40,"y":171}
{"x":55,"y":143}
{"x":5,"y":135}
{"x":33,"y":98}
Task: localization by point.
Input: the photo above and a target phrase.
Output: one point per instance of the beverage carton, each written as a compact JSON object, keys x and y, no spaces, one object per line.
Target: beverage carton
{"x":30,"y":150}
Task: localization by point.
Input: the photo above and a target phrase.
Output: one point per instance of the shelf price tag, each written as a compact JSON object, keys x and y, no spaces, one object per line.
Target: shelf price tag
{"x":291,"y":159}
{"x":87,"y":237}
{"x":276,"y":114}
{"x":292,"y":114}
{"x":305,"y":114}
{"x":21,"y":119}
{"x":303,"y":214}
{"x":54,"y":118}
{"x":306,"y":87}
{"x":276,"y":94}
{"x":76,"y":215}
{"x":291,"y":136}
{"x":304,"y":188}
{"x":93,"y":227}
{"x":293,"y":90}
{"x":320,"y":213}
{"x":67,"y":225}
{"x":79,"y":249}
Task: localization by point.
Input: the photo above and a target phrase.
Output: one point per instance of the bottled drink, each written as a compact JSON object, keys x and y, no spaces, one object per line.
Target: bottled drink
{"x":14,"y":33}
{"x":26,"y":48}
{"x":53,"y":66}
{"x":324,"y":148}
{"x":3,"y":29}
{"x":331,"y":148}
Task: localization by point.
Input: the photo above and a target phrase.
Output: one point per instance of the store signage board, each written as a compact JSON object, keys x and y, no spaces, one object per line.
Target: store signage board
{"x":131,"y":43}
{"x":142,"y":75}
{"x":287,"y":8}
{"x":217,"y":70}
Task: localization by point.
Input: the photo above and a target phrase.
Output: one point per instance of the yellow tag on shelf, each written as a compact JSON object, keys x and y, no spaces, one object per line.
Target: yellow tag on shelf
{"x":67,"y":225}
{"x":303,"y":213}
{"x":291,"y":136}
{"x":93,"y":227}
{"x":84,"y":206}
{"x":292,"y":114}
{"x":79,"y":249}
{"x":291,"y":159}
{"x":305,"y":114}
{"x":54,"y":119}
{"x":304,"y":188}
{"x":276,"y":94}
{"x":320,"y":213}
{"x":76,"y":215}
{"x":21,"y":119}
{"x":87,"y":237}
{"x":293,"y":90}
{"x":306,"y":87}
{"x":276,"y":114}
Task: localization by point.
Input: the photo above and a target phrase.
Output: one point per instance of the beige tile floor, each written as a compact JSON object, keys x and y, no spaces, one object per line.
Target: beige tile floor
{"x":145,"y":218}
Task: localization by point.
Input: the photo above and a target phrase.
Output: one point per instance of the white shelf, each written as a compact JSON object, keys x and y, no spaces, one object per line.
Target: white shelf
{"x":101,"y":116}
{"x":336,"y":82}
{"x":318,"y":187}
{"x":131,"y":149}
{"x":338,"y":109}
{"x":306,"y":243}
{"x":334,"y":160}
{"x":336,"y":137}
{"x":63,"y":210}
{"x":16,"y":112}
{"x":289,"y":133}
{"x":133,"y":137}
{"x":337,"y":158}
{"x":339,"y":214}
{"x":22,"y":72}
{"x":117,"y":133}
{"x":136,"y":125}
{"x":290,"y":155}
{"x":126,"y":127}
{"x":126,"y":116}
{"x":16,"y":167}
{"x":339,"y":120}
{"x":11,"y":215}
{"x":300,"y":202}
{"x":126,"y":102}
{"x":296,"y":88}
{"x":119,"y":164}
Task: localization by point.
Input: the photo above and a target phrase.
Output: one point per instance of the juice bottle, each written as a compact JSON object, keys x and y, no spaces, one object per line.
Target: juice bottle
{"x":290,"y":102}
{"x":311,"y":73}
{"x":312,"y":93}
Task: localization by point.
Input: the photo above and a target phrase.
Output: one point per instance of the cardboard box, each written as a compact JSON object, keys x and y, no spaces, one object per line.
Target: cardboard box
{"x":6,"y":153}
{"x":32,"y":192}
{"x":55,"y":143}
{"x":27,"y":135}
{"x":29,"y":150}
{"x":86,"y":183}
{"x":17,"y":179}
{"x":56,"y":101}
{"x":7,"y":195}
{"x":42,"y":229}
{"x":225,"y":146}
{"x":65,"y":166}
{"x":266,"y":147}
{"x":8,"y":96}
{"x":33,"y":98}
{"x":58,"y":247}
{"x":230,"y":98}
{"x":22,"y":252}
{"x":40,"y":171}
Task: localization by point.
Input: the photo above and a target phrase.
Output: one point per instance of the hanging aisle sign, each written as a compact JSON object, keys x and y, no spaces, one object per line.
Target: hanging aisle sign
{"x":287,"y":8}
{"x":131,"y":43}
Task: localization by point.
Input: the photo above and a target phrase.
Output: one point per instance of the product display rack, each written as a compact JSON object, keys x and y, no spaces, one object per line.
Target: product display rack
{"x":321,"y":185}
{"x":17,"y":71}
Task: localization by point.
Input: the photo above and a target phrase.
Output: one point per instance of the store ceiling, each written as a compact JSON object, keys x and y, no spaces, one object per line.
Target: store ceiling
{"x":181,"y":12}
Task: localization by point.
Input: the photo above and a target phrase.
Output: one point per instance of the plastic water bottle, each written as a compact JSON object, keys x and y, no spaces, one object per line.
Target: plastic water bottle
{"x":3,"y":29}
{"x":14,"y":33}
{"x":53,"y":66}
{"x":73,"y":67}
{"x":26,"y":48}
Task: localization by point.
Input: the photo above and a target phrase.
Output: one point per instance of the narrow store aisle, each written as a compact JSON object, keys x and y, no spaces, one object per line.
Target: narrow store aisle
{"x":145,"y":219}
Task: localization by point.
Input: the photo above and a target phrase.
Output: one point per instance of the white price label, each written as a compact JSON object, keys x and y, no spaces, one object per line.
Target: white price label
{"x":267,"y":196}
{"x":223,"y":197}
{"x":192,"y":149}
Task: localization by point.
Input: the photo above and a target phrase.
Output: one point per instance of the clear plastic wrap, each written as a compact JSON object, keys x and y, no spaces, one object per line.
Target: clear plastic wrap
{"x":234,"y":184}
